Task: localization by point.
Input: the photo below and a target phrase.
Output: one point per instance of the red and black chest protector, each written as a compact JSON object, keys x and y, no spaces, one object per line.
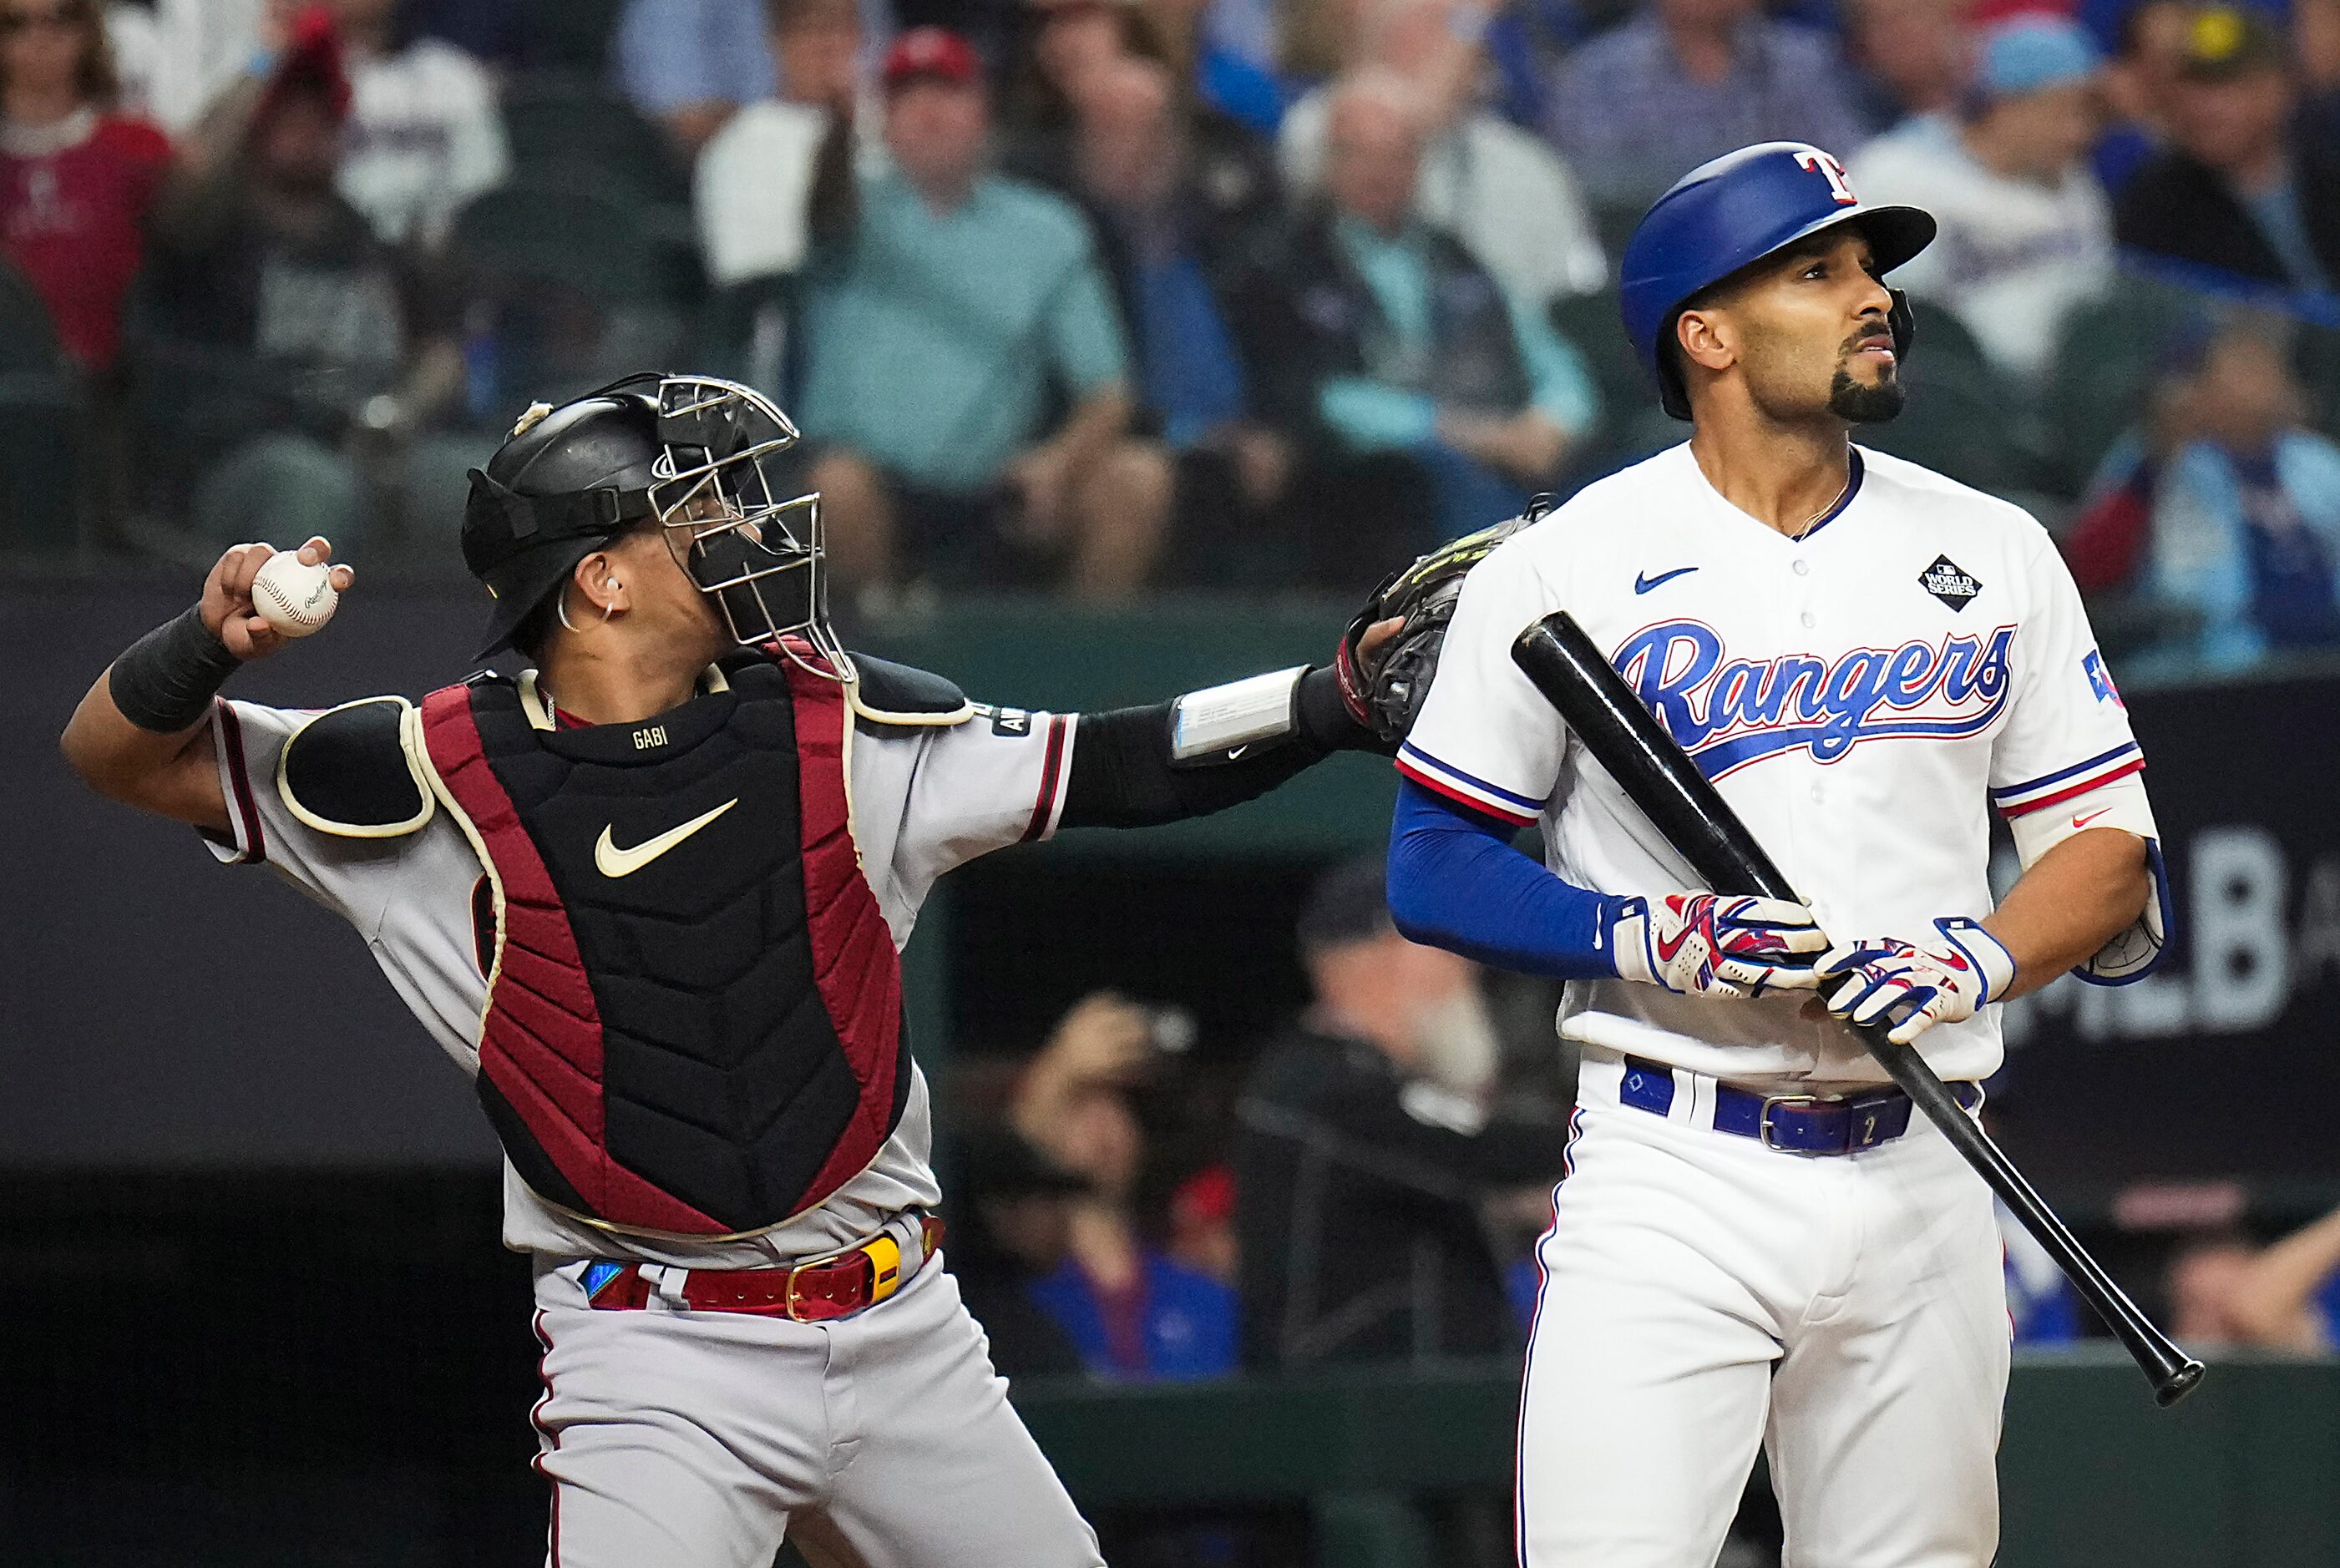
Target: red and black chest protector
{"x":704,"y":1037}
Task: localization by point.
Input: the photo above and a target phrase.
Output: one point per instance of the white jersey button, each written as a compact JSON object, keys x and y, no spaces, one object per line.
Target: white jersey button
{"x":1803,"y":567}
{"x":1810,"y":620}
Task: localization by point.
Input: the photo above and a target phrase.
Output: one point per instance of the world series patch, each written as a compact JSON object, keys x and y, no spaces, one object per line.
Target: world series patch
{"x":1949,"y":582}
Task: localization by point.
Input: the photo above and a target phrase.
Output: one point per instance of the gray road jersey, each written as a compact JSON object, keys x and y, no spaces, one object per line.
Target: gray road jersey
{"x":925,"y":799}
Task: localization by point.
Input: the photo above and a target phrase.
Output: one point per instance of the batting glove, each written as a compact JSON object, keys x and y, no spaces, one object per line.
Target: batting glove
{"x":1716,"y":944}
{"x":1914,"y":988}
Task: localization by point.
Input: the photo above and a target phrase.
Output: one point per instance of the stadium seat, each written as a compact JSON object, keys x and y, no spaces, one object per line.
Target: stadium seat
{"x":568,"y":316}
{"x":39,"y":425}
{"x":2105,"y":363}
{"x":1591,"y":324}
{"x":1615,"y":224}
{"x":39,"y":437}
{"x":1962,"y":418}
{"x":573,"y":34}
{"x":2317,"y":356}
{"x":28,"y":341}
{"x":566,"y":129}
{"x":1959,"y":421}
{"x":742,"y":331}
{"x":592,"y":241}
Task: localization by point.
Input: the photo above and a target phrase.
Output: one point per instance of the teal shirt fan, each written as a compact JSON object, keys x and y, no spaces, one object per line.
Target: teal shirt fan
{"x":933,"y":339}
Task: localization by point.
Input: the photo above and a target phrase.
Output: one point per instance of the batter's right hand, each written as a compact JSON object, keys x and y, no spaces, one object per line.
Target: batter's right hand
{"x":227,"y":608}
{"x":1714,"y":944}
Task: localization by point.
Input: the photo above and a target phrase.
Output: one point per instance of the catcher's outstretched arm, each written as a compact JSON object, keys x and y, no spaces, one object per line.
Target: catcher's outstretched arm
{"x":1207,"y":751}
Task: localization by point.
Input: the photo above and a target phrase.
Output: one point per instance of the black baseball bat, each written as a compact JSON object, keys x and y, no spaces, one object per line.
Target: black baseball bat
{"x":1653,"y":769}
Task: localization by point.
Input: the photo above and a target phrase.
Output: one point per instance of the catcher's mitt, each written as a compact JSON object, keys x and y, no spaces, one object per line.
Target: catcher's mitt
{"x":1384,"y":692}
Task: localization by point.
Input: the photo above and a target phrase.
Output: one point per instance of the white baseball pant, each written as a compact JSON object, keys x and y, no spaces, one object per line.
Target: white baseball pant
{"x":1703,"y":1294}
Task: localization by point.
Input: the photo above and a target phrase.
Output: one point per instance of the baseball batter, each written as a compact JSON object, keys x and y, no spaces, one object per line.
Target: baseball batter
{"x":1756,"y":1242}
{"x":650,"y":894}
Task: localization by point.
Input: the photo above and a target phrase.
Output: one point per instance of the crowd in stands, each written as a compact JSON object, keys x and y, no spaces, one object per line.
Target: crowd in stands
{"x":1369,"y":1198}
{"x":1099,"y":296}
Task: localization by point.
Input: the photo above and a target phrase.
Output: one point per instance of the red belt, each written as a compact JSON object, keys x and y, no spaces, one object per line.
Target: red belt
{"x":816,"y":1290}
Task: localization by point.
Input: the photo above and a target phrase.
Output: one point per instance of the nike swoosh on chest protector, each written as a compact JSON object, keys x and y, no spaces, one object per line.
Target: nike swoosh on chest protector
{"x":614,"y":862}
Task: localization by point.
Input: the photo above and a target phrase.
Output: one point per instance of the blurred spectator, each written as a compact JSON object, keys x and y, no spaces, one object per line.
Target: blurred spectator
{"x":284,"y":345}
{"x":2224,"y":1290}
{"x":177,"y":56}
{"x":1684,"y":80}
{"x":75,"y":178}
{"x":2225,"y":506}
{"x":1365,"y":1151}
{"x":1013,"y":1229}
{"x":1203,"y":1224}
{"x":1233,"y":81}
{"x":754,"y":187}
{"x":1525,"y":42}
{"x":2316,"y":38}
{"x":1133,"y":1312}
{"x":2108,"y":18}
{"x":688,"y":64}
{"x":1182,"y":233}
{"x":1075,"y":41}
{"x":2140,"y":86}
{"x":1911,"y":55}
{"x":1405,"y":347}
{"x":1315,"y":37}
{"x":1489,"y":183}
{"x":2026,"y":231}
{"x":424,"y":136}
{"x":2248,"y":189}
{"x":934,"y":337}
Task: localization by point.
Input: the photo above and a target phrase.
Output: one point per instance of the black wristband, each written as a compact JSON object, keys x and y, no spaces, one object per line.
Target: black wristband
{"x":165,"y":680}
{"x":1322,"y":717}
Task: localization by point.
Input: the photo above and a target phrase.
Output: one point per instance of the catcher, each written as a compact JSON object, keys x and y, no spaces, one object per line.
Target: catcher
{"x":650,"y":894}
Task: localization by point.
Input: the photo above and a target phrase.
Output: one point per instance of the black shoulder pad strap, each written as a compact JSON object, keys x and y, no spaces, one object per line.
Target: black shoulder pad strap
{"x":886,"y":693}
{"x":348,"y":771}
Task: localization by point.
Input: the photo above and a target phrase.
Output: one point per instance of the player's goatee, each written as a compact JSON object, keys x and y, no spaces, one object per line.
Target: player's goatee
{"x":1861,"y":405}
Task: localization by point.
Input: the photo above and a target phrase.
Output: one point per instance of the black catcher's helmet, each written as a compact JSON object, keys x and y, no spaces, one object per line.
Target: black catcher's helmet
{"x":685,"y":452}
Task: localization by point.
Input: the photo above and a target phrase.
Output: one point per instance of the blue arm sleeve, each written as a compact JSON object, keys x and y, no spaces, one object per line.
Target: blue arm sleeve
{"x":1456,"y":882}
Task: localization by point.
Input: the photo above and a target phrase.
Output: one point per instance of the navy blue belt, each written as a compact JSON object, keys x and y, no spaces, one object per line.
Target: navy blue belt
{"x":1807,"y":1124}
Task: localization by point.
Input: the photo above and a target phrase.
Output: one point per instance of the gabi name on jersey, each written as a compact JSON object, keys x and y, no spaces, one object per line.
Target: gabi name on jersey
{"x":1727,"y":713}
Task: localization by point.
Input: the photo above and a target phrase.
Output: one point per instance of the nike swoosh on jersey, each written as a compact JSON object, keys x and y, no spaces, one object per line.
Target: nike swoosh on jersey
{"x":1642,"y":585}
{"x":614,"y":862}
{"x":2085,"y":821}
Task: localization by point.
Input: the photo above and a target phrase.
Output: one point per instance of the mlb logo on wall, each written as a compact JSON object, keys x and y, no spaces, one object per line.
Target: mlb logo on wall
{"x":2100,"y":680}
{"x":1949,"y":582}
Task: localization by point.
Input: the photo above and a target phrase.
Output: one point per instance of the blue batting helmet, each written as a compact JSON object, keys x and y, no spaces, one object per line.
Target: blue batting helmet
{"x":1732,"y":212}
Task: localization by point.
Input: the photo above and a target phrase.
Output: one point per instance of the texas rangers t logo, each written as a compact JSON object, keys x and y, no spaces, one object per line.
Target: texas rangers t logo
{"x":1821,"y":162}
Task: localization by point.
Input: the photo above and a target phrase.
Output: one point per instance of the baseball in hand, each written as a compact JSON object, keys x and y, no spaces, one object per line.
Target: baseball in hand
{"x":291,"y":596}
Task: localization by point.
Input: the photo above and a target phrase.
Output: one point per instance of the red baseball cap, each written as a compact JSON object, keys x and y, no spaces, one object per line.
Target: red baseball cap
{"x":932,"y":52}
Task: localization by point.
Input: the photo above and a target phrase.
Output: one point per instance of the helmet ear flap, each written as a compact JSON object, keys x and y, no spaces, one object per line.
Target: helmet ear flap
{"x":1903,"y":323}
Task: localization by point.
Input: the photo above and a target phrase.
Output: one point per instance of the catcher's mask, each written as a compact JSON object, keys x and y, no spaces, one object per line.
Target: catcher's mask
{"x":695,"y":455}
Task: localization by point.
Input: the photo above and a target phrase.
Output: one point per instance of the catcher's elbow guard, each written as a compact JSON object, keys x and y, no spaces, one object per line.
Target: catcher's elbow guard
{"x":1206,"y":725}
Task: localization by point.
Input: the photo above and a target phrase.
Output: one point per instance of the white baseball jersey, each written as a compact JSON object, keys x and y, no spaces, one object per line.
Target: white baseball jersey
{"x":1861,"y":696}
{"x":924,"y":799}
